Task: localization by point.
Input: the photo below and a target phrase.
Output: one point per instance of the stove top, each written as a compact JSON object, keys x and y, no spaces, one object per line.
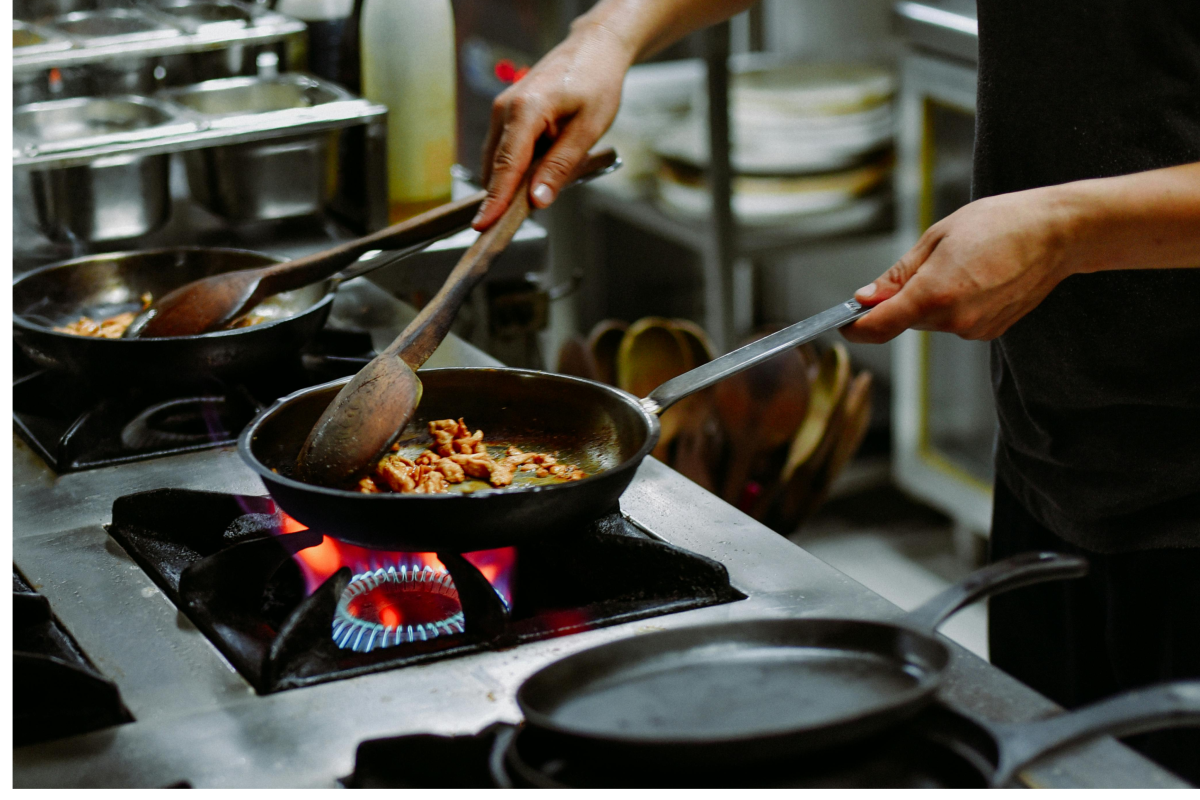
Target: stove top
{"x":76,"y":430}
{"x":200,"y":713}
{"x":504,"y":756}
{"x":57,"y":691}
{"x":291,"y":608}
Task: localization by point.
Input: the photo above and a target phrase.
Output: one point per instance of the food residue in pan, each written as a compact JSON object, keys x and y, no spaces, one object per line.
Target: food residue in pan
{"x":459,"y":455}
{"x":114,"y":327}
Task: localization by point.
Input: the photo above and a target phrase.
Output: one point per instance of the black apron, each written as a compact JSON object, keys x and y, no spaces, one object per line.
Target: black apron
{"x":1098,"y":388}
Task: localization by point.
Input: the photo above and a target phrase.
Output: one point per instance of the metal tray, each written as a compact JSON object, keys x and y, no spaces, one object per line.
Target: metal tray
{"x":209,"y":114}
{"x":83,"y":122}
{"x":32,"y":39}
{"x":144,"y":30}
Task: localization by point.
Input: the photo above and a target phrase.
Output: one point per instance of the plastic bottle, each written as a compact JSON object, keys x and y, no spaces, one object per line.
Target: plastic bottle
{"x":408,"y":65}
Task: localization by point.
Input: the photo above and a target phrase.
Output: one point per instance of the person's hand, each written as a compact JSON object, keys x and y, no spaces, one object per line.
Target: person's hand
{"x":974,"y":273}
{"x":570,"y":97}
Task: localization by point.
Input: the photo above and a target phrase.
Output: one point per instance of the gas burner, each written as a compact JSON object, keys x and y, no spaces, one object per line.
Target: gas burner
{"x":290,"y":607}
{"x":395,"y":605}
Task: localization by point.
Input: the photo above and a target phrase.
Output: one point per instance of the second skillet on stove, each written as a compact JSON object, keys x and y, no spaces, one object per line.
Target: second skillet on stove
{"x":940,"y":748}
{"x":754,"y":690}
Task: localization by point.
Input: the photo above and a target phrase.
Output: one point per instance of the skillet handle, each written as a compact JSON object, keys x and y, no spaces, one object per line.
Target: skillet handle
{"x":1024,"y":569}
{"x":1167,"y":705}
{"x":743,"y":358}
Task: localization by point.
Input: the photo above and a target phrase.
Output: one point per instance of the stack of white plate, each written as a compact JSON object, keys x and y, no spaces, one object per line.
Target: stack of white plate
{"x":807,"y":139}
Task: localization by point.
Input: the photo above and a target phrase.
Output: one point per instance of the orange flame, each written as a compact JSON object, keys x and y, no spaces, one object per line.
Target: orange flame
{"x":318,"y":563}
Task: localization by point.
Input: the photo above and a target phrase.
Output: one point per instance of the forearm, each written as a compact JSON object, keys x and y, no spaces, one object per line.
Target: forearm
{"x":646,"y":26}
{"x":1147,"y":220}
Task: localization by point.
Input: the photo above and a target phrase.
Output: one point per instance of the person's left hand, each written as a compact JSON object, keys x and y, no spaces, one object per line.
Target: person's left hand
{"x":974,"y":273}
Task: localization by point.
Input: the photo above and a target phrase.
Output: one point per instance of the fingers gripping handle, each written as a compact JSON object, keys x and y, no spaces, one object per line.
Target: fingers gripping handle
{"x":1025,"y":569}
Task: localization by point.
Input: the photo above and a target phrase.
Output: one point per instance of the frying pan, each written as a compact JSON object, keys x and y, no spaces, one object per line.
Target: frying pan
{"x":746,"y":691}
{"x":940,"y":748}
{"x":605,"y":431}
{"x":103,"y":285}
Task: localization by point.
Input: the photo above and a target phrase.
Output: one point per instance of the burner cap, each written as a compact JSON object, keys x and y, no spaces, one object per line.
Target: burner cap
{"x":395,"y":605}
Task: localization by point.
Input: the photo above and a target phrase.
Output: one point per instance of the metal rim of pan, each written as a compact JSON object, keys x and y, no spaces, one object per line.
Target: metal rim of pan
{"x":246,"y":450}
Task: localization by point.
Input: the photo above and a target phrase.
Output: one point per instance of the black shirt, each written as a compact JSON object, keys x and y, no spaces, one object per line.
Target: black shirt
{"x":1098,"y":388}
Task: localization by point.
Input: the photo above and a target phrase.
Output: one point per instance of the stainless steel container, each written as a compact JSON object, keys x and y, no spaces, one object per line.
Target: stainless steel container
{"x":113,"y":197}
{"x":261,"y":180}
{"x":40,"y":9}
{"x":209,"y":18}
{"x":34,"y":86}
{"x":112,"y":27}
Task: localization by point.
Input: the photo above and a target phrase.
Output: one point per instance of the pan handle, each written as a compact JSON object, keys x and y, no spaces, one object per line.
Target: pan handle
{"x":1167,"y":705}
{"x":1024,"y":569}
{"x":756,"y":352}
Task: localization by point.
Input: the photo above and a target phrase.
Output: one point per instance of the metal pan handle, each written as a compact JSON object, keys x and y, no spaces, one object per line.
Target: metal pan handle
{"x":1167,"y":705}
{"x":721,"y":368}
{"x":1011,"y":573}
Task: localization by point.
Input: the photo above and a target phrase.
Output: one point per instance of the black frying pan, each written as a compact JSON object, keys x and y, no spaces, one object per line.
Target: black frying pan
{"x":940,"y":748}
{"x":752,"y":690}
{"x":605,"y":431}
{"x":103,"y":285}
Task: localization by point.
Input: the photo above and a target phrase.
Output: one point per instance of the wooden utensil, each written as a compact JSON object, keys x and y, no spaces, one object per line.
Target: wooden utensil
{"x":371,"y":411}
{"x":855,"y":419}
{"x":651,"y":353}
{"x":760,"y":409}
{"x":214,"y":303}
{"x":574,"y":358}
{"x":604,"y":341}
{"x":698,"y":441}
{"x":832,"y":379}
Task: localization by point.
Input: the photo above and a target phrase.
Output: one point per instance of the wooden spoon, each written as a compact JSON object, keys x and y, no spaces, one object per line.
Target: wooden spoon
{"x":854,"y":422}
{"x":213,"y":303}
{"x":830,"y":386}
{"x":604,"y":341}
{"x":372,"y":410}
{"x":652,"y":352}
{"x":760,"y":410}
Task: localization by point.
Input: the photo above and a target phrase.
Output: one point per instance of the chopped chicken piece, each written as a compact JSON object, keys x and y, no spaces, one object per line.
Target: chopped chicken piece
{"x":456,"y":455}
{"x":433,"y":482}
{"x":477,"y":466}
{"x":453,"y":472}
{"x":398,"y":473}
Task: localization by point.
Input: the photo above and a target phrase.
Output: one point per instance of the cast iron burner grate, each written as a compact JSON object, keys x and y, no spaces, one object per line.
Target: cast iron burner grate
{"x":223,"y":560}
{"x":74,"y":429}
{"x":57,"y":691}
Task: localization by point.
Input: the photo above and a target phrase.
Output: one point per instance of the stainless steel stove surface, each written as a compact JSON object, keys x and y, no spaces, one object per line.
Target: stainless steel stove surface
{"x":199,"y":722}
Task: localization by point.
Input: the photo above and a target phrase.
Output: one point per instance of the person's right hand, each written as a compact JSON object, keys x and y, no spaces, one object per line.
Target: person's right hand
{"x":570,"y":97}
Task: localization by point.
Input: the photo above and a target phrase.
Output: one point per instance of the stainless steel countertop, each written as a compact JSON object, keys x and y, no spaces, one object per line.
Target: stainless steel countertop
{"x":199,"y":721}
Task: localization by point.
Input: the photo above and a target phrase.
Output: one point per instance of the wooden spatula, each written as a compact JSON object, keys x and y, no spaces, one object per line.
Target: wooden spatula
{"x":371,"y":411}
{"x":211,"y":304}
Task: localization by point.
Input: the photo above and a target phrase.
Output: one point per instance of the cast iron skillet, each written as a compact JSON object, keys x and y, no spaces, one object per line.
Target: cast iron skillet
{"x":104,"y":285}
{"x":744,"y":691}
{"x":605,"y":431}
{"x":940,"y":748}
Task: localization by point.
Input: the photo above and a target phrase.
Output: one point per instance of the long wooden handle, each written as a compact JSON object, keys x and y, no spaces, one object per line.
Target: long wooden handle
{"x":423,"y":335}
{"x":417,"y":342}
{"x":428,"y":227}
